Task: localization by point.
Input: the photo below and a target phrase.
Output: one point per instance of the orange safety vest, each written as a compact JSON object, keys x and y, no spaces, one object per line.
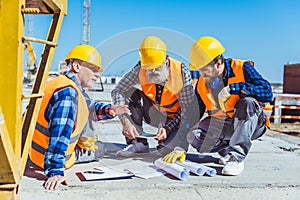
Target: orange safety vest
{"x":169,"y":101}
{"x":208,"y":99}
{"x":41,"y":135}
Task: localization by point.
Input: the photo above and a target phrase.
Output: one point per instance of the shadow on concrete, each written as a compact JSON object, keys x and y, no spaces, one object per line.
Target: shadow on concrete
{"x":33,"y":171}
{"x":112,"y":148}
{"x":198,"y":158}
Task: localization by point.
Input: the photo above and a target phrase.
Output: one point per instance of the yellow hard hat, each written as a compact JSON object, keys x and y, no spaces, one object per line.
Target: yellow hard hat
{"x":152,"y":52}
{"x":86,"y":53}
{"x":205,"y":50}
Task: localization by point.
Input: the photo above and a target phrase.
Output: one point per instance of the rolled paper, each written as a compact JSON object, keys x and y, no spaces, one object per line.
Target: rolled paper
{"x":197,"y":168}
{"x":174,"y":169}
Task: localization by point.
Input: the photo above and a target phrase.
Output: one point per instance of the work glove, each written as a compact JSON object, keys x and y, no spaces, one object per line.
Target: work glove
{"x":172,"y":157}
{"x":267,"y":109}
{"x":223,"y":96}
{"x":87,"y":143}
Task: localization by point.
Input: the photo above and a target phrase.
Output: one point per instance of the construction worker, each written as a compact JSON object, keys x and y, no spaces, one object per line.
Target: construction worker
{"x":233,"y":93}
{"x":59,"y":141}
{"x":166,"y":92}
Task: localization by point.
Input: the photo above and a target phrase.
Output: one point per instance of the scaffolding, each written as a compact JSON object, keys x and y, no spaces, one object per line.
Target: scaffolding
{"x":16,"y":129}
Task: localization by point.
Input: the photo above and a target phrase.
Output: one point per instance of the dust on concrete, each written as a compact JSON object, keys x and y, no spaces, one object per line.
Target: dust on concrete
{"x":292,"y":129}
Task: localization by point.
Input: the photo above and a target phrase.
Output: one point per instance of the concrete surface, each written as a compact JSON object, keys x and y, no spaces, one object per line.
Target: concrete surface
{"x":271,"y":172}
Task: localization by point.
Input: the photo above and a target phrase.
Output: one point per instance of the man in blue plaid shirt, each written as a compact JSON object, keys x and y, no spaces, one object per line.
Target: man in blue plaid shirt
{"x":59,"y":139}
{"x":233,"y":93}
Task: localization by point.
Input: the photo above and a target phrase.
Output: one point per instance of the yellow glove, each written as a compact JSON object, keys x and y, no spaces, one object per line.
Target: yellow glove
{"x":178,"y":153}
{"x":223,"y":96}
{"x":267,"y":109}
{"x":87,"y":143}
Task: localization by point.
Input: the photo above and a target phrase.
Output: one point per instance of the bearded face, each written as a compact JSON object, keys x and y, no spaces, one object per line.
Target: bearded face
{"x":209,"y":73}
{"x":158,"y":75}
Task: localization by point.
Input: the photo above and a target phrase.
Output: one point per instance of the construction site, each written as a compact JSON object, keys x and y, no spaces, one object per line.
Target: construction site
{"x":271,"y":167}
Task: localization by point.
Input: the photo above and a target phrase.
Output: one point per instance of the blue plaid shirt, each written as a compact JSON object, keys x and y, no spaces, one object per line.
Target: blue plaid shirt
{"x":255,"y":85}
{"x":61,"y":115}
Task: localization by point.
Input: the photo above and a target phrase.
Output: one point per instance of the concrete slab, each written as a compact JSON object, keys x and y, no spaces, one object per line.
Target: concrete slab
{"x":271,"y":172}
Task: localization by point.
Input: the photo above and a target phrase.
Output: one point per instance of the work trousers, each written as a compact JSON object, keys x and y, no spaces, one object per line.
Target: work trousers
{"x":230,"y":135}
{"x":143,"y":110}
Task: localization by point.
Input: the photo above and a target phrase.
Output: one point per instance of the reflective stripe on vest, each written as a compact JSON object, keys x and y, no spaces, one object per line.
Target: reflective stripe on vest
{"x":208,"y":99}
{"x":169,"y":101}
{"x":41,"y":135}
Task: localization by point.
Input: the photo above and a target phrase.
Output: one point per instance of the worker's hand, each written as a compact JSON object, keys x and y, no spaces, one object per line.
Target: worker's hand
{"x":161,"y":134}
{"x":119,"y":109}
{"x":87,"y":143}
{"x":223,"y":96}
{"x":178,"y":154}
{"x":53,"y":182}
{"x":129,"y":130}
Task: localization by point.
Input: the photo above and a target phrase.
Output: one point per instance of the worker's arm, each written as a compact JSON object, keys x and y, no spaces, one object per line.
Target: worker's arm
{"x":102,"y":111}
{"x":61,"y":114}
{"x":106,"y":111}
{"x":129,"y":80}
{"x":255,"y":85}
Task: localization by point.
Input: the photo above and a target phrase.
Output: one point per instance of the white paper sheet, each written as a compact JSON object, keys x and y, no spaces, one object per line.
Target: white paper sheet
{"x":140,"y":169}
{"x":103,"y":173}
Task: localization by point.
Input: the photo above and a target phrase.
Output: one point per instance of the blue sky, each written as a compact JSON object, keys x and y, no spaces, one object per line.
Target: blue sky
{"x":264,"y":31}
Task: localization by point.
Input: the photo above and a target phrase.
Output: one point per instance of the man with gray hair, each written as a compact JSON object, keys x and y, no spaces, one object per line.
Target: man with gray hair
{"x":60,"y":140}
{"x":166,"y":92}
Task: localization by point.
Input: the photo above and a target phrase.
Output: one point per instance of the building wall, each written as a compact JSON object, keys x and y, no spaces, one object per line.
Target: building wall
{"x":291,"y":79}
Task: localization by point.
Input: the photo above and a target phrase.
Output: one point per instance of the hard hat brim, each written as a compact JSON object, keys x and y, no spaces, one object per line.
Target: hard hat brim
{"x":101,"y":69}
{"x":85,"y":53}
{"x":192,"y":67}
{"x":150,"y":66}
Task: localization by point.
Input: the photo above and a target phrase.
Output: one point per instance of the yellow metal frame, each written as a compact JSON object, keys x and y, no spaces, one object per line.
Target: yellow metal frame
{"x":15,"y":135}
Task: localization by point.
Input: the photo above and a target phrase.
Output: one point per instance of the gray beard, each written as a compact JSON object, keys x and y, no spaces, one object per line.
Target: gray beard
{"x":158,"y":77}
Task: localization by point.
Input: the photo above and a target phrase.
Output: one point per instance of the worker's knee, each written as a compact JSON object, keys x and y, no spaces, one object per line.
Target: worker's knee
{"x":133,"y":97}
{"x":194,"y":138}
{"x":246,"y":107}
